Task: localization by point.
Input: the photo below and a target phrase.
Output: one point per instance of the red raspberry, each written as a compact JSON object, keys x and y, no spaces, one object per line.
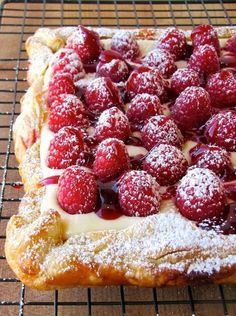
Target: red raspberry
{"x":60,"y":84}
{"x":111,"y":159}
{"x":161,"y":60}
{"x":200,"y":195}
{"x":161,"y":129}
{"x":211,"y":157}
{"x":221,"y":130}
{"x":112,"y":123}
{"x":222,"y":88}
{"x":205,"y":34}
{"x":174,"y":41}
{"x":204,"y":60}
{"x":65,"y":148}
{"x":145,"y":80}
{"x":67,"y":61}
{"x":125,"y":43}
{"x":86,"y":43}
{"x":166,"y":164}
{"x":138,"y":194}
{"x":192,"y":108}
{"x":184,"y":78}
{"x":66,"y":110}
{"x":77,"y":191}
{"x":231,"y":44}
{"x":112,"y":65}
{"x":142,"y":107}
{"x":102,"y":94}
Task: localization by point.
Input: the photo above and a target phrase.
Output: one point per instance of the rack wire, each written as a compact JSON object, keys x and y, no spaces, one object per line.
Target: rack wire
{"x":18,"y":20}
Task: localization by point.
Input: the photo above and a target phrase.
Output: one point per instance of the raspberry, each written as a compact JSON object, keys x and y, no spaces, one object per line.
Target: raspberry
{"x":66,"y":110}
{"x":174,"y":41}
{"x":86,"y":43}
{"x":60,"y":84}
{"x":166,"y":164}
{"x":161,"y":129}
{"x":161,"y":60}
{"x":221,"y":130}
{"x":231,"y":44}
{"x":111,"y":159}
{"x":77,"y":191}
{"x":113,"y":66}
{"x":102,"y":94}
{"x":205,"y":34}
{"x":138,"y":194}
{"x":184,"y":78}
{"x":222,"y":88}
{"x":211,"y":157}
{"x":67,"y":61}
{"x":142,"y":107}
{"x":125,"y":43}
{"x":192,"y":108}
{"x":65,"y":148}
{"x":204,"y":60}
{"x":145,"y":80}
{"x":200,"y":195}
{"x":112,"y":123}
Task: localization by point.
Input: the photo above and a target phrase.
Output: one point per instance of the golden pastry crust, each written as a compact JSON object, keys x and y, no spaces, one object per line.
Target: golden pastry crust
{"x":164,"y":249}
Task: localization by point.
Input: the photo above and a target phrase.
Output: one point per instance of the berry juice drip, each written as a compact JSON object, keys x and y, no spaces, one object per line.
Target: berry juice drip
{"x":108,"y":204}
{"x":17,"y":185}
{"x":90,"y":68}
{"x":226,"y":224}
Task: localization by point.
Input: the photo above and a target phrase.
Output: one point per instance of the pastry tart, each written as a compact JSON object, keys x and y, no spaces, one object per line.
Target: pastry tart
{"x":126,"y":145}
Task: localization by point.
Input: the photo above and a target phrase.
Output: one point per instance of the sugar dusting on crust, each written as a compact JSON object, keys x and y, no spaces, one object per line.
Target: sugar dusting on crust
{"x":182,"y":247}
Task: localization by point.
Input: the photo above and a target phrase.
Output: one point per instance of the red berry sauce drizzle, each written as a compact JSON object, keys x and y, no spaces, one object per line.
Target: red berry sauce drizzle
{"x":108,"y":206}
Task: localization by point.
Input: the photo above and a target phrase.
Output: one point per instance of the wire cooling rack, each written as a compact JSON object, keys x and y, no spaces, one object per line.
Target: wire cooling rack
{"x":19,"y":19}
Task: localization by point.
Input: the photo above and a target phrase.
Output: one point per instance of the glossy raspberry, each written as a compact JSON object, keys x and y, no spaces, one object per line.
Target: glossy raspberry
{"x":125,"y":43}
{"x":65,"y":148}
{"x":166,"y":164}
{"x":161,"y":129}
{"x":192,"y":108}
{"x":231,"y":44}
{"x":86,"y":43}
{"x":145,"y":80}
{"x":66,"y":110}
{"x":222,"y":88}
{"x":112,"y":123}
{"x":221,"y":130}
{"x":102,"y":94}
{"x":161,"y":60}
{"x":112,"y":65}
{"x":77,"y":191}
{"x":205,"y":34}
{"x":142,"y":107}
{"x":200,"y":195}
{"x":184,"y":78}
{"x":174,"y":41}
{"x":67,"y":61}
{"x":211,"y":157}
{"x":138,"y":194}
{"x":111,"y":159}
{"x":204,"y":60}
{"x":60,"y":84}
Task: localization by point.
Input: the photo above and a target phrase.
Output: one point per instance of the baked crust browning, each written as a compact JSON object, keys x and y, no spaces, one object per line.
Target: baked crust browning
{"x":163,"y":250}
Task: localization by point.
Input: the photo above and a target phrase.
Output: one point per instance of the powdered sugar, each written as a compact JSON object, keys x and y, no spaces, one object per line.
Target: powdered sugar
{"x":125,"y":43}
{"x":161,"y":129}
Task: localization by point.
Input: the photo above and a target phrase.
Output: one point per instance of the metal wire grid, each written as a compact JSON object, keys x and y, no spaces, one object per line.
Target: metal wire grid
{"x":19,"y":19}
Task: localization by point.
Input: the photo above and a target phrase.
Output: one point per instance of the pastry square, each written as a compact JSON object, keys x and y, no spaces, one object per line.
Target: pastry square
{"x":126,"y":145}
